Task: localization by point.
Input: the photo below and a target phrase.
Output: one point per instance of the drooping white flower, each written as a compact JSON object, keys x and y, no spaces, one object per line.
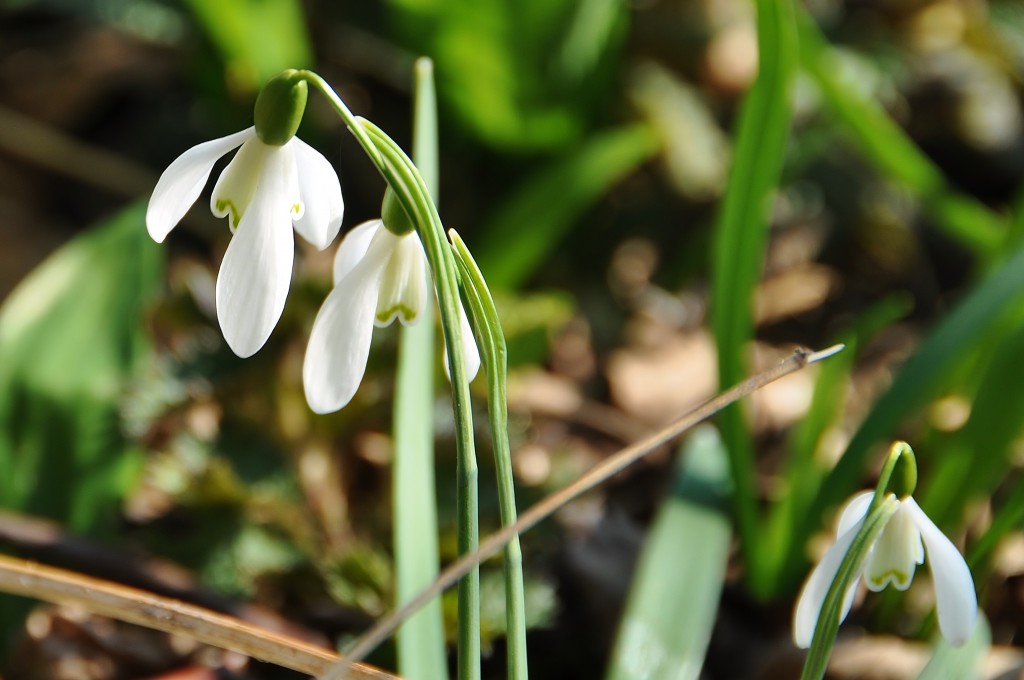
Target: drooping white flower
{"x":379,"y":276}
{"x":265,"y":191}
{"x":893,"y":558}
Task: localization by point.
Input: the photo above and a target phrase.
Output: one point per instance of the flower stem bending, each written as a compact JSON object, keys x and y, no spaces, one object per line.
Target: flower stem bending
{"x":827,"y":627}
{"x":405,"y":180}
{"x":884,"y":539}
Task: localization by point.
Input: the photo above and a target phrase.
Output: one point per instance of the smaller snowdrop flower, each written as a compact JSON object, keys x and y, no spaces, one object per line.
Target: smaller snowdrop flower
{"x":274,"y":183}
{"x":893,"y":559}
{"x":380,"y":274}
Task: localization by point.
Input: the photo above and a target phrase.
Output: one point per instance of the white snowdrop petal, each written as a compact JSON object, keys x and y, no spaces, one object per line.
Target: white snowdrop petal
{"x":403,"y":289}
{"x":353,"y":247}
{"x":339,"y":343}
{"x":242,"y":179}
{"x":854,"y":511}
{"x":812,"y":596}
{"x":469,"y":348}
{"x":895,"y":554}
{"x":320,"y":194}
{"x":181,"y":183}
{"x":470,"y":352}
{"x":955,"y":599}
{"x":256,"y":272}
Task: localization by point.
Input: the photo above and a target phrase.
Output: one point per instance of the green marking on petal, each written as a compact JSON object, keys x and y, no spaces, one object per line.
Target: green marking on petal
{"x":405,"y":314}
{"x":896,"y":576}
{"x":234,"y":216}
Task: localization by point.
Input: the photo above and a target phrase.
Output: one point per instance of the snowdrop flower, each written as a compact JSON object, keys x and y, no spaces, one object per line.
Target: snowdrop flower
{"x":379,"y":276}
{"x":893,"y":559}
{"x":274,"y":183}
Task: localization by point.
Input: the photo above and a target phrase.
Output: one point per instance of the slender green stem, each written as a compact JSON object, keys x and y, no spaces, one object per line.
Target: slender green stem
{"x":487,"y":326}
{"x":407,"y":183}
{"x":350,"y":119}
{"x":596,"y":476}
{"x":897,"y":480}
{"x":831,"y":610}
{"x":442,"y":262}
{"x":420,"y":640}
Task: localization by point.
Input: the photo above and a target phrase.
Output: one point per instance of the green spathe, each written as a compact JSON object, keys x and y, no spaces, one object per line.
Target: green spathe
{"x":279,"y":108}
{"x":394,"y":216}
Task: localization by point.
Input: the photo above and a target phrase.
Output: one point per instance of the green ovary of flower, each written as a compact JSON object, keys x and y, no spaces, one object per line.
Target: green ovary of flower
{"x":279,"y":108}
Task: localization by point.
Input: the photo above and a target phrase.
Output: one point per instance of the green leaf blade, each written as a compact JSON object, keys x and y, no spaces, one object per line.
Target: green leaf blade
{"x":673,"y":602}
{"x":739,"y":243}
{"x":421,"y":642}
{"x":71,"y":336}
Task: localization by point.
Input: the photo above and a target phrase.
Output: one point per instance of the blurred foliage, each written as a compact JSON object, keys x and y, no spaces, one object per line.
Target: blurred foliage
{"x":522,"y":76}
{"x":616,"y":177}
{"x":71,"y":336}
{"x":256,"y":39}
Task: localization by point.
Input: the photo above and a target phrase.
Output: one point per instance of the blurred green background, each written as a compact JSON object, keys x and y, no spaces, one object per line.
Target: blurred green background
{"x":586,"y":147}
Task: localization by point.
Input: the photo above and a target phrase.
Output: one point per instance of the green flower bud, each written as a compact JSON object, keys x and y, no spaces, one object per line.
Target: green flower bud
{"x":279,"y":108}
{"x":394,"y":216}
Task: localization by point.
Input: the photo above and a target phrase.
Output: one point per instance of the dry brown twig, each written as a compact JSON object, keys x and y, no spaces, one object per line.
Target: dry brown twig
{"x":38,"y":581}
{"x":601,"y":472}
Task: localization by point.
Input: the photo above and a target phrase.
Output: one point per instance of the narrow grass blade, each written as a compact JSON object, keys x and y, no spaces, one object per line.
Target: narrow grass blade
{"x":807,"y":466}
{"x":827,"y":625}
{"x":963,"y":662}
{"x":739,"y":243}
{"x":541,"y":213}
{"x":421,"y":646}
{"x":921,"y":377}
{"x":894,"y":155}
{"x":981,"y":454}
{"x":673,"y":602}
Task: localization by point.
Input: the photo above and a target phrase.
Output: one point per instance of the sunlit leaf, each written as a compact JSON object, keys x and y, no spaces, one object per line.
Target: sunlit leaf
{"x":963,"y":662}
{"x":421,"y":648}
{"x":70,"y":337}
{"x":673,"y":602}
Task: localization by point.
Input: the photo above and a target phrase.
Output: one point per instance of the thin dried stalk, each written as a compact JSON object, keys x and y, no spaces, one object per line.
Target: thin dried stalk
{"x":21,"y":577}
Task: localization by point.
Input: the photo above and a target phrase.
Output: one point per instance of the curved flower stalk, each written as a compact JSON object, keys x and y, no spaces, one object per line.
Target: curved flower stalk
{"x":906,"y":538}
{"x":379,"y":276}
{"x":274,"y":183}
